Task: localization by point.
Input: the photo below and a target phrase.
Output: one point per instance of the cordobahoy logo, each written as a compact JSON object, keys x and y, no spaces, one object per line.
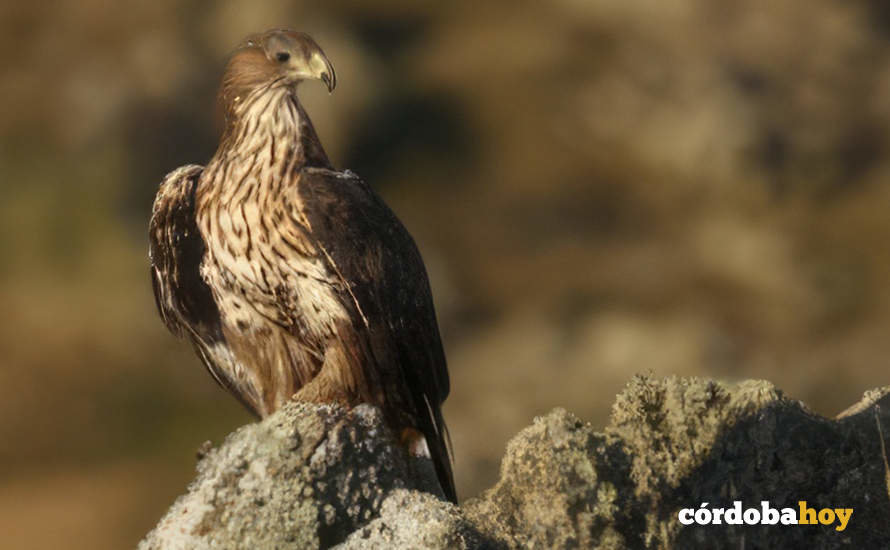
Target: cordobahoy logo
{"x":766,"y":515}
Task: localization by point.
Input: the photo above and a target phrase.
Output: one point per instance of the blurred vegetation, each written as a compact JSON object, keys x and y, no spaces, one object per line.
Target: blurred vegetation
{"x":599,"y":188}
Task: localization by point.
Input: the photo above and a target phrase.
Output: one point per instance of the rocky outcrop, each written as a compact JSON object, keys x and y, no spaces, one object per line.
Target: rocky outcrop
{"x":318,"y":476}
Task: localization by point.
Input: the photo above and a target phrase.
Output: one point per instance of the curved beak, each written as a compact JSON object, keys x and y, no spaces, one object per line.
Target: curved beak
{"x":330,"y":79}
{"x":323,"y":70}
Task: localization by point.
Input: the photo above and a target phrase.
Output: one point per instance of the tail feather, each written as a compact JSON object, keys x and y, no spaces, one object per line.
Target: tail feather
{"x":442,"y":462}
{"x":432,"y":447}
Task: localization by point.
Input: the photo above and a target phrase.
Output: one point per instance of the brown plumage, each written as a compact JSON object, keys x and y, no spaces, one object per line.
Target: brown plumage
{"x":291,"y":279}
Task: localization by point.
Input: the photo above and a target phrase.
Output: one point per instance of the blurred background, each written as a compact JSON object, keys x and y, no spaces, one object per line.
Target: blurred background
{"x":599,"y":187}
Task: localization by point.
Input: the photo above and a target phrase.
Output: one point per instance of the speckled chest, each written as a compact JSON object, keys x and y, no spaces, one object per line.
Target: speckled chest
{"x":261,"y":261}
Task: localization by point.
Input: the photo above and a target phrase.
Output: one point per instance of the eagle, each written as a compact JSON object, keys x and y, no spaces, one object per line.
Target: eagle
{"x":290,"y":278}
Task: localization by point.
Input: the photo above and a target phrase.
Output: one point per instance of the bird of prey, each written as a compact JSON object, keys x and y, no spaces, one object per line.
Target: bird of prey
{"x":291,"y":279}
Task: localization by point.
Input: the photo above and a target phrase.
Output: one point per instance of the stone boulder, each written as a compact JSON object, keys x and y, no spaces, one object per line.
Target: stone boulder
{"x":318,"y":476}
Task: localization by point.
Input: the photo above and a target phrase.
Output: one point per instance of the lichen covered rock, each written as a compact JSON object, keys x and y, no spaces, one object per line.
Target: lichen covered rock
{"x":318,"y":476}
{"x":304,"y":477}
{"x":678,"y":443}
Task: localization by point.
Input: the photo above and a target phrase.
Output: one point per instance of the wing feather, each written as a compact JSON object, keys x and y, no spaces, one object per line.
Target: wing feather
{"x":183,"y":298}
{"x":384,"y":275}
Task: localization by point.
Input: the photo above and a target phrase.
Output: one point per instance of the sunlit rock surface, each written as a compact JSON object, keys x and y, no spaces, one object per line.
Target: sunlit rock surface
{"x":317,"y":476}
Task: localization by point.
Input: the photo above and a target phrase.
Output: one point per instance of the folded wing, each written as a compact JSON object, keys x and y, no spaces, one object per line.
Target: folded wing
{"x":386,"y":283}
{"x":184,"y":300}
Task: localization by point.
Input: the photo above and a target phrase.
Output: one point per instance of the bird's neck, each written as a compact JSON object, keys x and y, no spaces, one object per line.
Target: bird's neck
{"x":273,"y":124}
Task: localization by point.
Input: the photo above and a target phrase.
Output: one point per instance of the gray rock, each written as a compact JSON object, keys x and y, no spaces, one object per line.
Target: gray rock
{"x":304,"y":477}
{"x":680,"y":442}
{"x":410,"y":519}
{"x":317,"y":476}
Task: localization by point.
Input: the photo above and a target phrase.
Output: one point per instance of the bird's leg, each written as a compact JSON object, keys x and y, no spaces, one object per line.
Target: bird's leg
{"x":334,"y":382}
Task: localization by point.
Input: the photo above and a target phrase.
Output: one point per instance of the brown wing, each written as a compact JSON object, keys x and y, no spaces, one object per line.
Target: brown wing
{"x":184,"y":300}
{"x":372,"y":251}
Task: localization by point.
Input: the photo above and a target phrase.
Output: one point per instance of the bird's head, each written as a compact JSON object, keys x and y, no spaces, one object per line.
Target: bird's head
{"x":278,"y":56}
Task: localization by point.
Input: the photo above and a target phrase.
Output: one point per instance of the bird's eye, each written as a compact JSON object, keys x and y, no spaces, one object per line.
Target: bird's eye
{"x":282,"y":56}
